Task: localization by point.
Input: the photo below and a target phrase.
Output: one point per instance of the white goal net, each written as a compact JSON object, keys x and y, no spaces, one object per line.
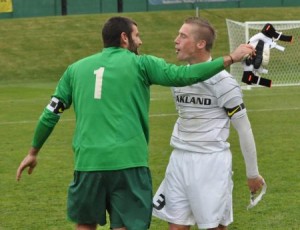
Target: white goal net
{"x":284,"y":67}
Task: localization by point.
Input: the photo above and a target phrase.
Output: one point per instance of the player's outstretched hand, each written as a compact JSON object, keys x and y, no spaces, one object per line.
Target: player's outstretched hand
{"x":255,"y":184}
{"x":242,"y":52}
{"x":29,"y":161}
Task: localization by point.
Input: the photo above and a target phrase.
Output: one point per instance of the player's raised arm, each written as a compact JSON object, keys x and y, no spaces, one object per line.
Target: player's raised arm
{"x":162,"y":73}
{"x":239,"y":54}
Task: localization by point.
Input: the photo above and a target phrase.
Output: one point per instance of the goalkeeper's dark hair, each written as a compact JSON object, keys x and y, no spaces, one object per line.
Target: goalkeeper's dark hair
{"x":205,"y":31}
{"x":111,"y":32}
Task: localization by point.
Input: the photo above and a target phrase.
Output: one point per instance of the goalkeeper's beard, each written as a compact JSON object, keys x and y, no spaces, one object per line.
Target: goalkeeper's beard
{"x":133,"y":47}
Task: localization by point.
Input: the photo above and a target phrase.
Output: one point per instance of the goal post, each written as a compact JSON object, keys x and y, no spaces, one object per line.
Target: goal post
{"x":284,"y":66}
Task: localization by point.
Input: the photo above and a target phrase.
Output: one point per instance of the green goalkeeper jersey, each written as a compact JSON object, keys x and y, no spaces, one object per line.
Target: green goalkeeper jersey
{"x":110,"y":93}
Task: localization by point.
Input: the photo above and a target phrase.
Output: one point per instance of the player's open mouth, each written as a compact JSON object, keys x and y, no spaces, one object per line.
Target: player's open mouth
{"x":177,"y":51}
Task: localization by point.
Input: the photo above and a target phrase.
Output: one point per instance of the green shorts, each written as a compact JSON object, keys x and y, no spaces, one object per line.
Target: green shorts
{"x":125,"y":194}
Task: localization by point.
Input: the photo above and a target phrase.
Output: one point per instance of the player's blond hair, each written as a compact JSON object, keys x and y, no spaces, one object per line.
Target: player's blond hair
{"x":204,"y":31}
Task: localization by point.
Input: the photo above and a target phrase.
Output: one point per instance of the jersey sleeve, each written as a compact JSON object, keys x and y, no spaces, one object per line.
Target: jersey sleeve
{"x":63,"y":89}
{"x":44,"y":128}
{"x":159,"y":72}
{"x":247,"y":144}
{"x":49,"y":118}
{"x":228,"y":91}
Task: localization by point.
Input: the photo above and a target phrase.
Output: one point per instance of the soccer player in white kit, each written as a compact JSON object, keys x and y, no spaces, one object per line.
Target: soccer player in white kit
{"x":197,"y":188}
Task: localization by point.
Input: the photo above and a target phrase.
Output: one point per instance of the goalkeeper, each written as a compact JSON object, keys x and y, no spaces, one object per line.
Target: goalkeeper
{"x":197,"y":188}
{"x":110,"y":95}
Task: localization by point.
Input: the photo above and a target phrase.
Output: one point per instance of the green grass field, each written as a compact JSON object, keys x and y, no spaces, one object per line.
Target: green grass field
{"x":35,"y":52}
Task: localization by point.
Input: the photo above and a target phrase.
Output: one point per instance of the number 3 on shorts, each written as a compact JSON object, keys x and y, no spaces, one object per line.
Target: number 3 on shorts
{"x":98,"y":83}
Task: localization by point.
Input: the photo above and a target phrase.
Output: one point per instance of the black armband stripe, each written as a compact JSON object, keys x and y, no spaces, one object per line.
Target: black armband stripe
{"x":234,"y":110}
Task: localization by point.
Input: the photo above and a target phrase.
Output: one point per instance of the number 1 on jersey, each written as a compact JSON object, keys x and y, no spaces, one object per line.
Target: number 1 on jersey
{"x":98,"y":83}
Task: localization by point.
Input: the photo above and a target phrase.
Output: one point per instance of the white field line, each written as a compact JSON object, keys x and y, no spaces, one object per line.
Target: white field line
{"x":25,"y":100}
{"x":151,"y":115}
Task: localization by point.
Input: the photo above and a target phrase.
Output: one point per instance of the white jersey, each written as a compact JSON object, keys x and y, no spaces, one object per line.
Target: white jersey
{"x":203,"y":124}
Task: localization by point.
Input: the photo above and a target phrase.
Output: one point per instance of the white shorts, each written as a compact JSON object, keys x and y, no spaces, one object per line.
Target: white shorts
{"x":197,"y":189}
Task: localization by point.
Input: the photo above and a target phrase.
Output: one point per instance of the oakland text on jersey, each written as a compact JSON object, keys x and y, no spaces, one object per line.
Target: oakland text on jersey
{"x":193,"y":100}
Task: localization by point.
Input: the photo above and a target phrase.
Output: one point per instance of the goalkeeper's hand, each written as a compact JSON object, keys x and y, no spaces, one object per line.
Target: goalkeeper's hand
{"x":29,"y":161}
{"x":241,"y":52}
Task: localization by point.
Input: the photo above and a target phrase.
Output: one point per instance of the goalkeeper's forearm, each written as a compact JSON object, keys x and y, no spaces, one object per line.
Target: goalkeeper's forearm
{"x":44,"y":128}
{"x":247,"y":143}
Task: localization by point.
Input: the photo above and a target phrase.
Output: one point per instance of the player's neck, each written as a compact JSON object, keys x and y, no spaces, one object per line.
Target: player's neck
{"x":200,"y":58}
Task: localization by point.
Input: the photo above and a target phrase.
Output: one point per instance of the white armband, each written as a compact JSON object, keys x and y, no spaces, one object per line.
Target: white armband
{"x":56,"y":106}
